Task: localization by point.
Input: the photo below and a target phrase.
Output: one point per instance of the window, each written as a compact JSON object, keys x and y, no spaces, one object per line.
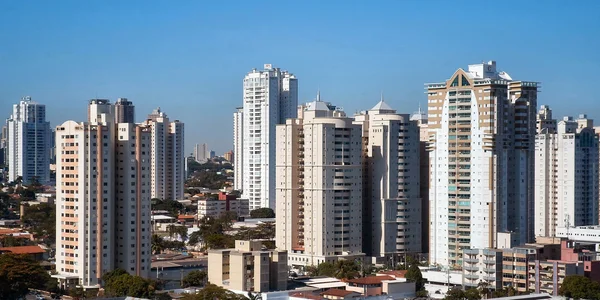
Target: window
{"x":455,"y":81}
{"x":464,"y":80}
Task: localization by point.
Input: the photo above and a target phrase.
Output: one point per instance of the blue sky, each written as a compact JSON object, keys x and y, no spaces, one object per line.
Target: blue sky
{"x":189,"y":57}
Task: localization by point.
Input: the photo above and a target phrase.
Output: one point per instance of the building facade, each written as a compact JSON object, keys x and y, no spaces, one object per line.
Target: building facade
{"x":28,"y":142}
{"x":566,"y":174}
{"x":481,"y":265}
{"x":238,"y":148}
{"x":124,"y":111}
{"x":270,"y":97}
{"x":482,"y":127}
{"x":392,"y":205}
{"x":102,"y":198}
{"x":210,"y":207}
{"x":319,"y":186}
{"x":201,"y":153}
{"x":248,"y":267}
{"x":167,"y":156}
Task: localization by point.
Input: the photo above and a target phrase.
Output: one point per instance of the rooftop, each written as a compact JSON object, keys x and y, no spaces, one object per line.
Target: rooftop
{"x":336,"y":293}
{"x":23,"y":250}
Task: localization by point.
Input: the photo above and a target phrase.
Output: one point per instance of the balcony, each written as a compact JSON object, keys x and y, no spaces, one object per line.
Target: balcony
{"x":471,"y":260}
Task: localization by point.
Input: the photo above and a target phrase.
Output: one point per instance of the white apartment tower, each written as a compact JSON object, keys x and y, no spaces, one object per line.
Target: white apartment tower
{"x":270,"y":97}
{"x":102,"y":198}
{"x":482,"y":127}
{"x":319,"y":187}
{"x":167,"y":156}
{"x":28,"y":142}
{"x":201,"y":153}
{"x":391,"y":191}
{"x":238,"y":148}
{"x":566,"y":174}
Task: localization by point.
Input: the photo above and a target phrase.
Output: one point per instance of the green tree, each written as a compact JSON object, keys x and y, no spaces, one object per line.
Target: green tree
{"x":195,"y":278}
{"x":211,"y":292}
{"x":459,"y":294}
{"x":173,"y":207}
{"x":347,"y":269}
{"x":41,"y":220}
{"x":19,"y":273}
{"x":264,"y":212}
{"x":11,"y":241}
{"x":414,"y":274}
{"x":195,"y":238}
{"x":119,"y":283}
{"x":579,"y":287}
{"x":326,"y":269}
{"x":158,"y":244}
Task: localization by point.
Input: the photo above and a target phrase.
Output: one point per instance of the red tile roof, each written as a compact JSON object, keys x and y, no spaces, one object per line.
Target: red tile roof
{"x":371,"y":279}
{"x":336,"y":293}
{"x":23,"y":249}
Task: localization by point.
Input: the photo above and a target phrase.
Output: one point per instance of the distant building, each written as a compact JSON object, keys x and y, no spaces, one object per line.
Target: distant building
{"x":225,"y":203}
{"x":124,"y":111}
{"x":28,"y":142}
{"x":228,"y":156}
{"x":566,"y":173}
{"x":167,"y":170}
{"x":212,"y":154}
{"x":201,"y":153}
{"x":238,"y":148}
{"x":248,"y":267}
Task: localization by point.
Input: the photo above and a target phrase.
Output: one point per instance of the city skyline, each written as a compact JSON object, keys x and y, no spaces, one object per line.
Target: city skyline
{"x":389,"y":46}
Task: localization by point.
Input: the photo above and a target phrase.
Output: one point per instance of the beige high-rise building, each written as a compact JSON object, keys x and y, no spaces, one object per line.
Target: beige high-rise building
{"x":482,"y":126}
{"x":391,"y":191}
{"x":566,"y":173}
{"x":319,"y":186}
{"x":102,"y":198}
{"x":248,"y":267}
{"x":167,"y":156}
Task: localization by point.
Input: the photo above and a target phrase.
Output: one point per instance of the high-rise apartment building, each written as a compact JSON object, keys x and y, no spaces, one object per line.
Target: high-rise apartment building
{"x":270,"y":97}
{"x":28,"y":142}
{"x":482,"y":126}
{"x":124,"y":111}
{"x":391,"y":191}
{"x":102,"y":198}
{"x":566,"y":174}
{"x":201,"y":153}
{"x":238,"y":148}
{"x":421,"y":118}
{"x":319,"y":186}
{"x":167,"y":156}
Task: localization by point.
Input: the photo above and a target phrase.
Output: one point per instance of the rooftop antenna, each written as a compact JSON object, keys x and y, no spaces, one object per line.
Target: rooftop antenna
{"x":318,"y":94}
{"x":381,"y":96}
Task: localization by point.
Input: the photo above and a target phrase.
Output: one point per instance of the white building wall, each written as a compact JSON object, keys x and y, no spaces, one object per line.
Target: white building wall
{"x":238,"y":148}
{"x":28,"y":142}
{"x":270,"y":97}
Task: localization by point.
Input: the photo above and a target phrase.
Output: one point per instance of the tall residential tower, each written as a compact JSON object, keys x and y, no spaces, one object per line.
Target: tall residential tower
{"x":319,"y":187}
{"x":482,"y":126}
{"x":391,"y":191}
{"x":270,"y":97}
{"x":566,"y":174}
{"x":167,"y":156}
{"x":28,"y":142}
{"x":102,"y":198}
